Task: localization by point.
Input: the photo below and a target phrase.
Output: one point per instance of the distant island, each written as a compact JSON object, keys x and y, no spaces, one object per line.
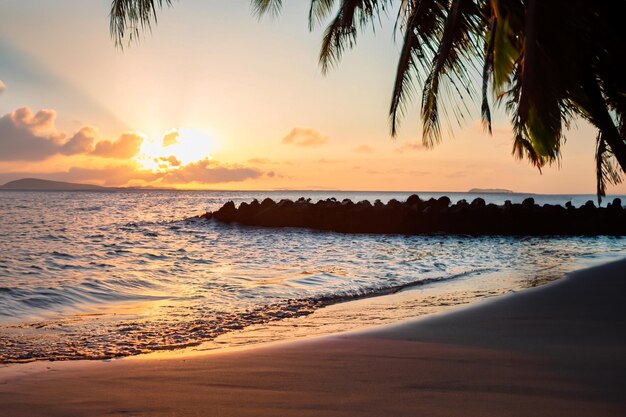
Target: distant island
{"x":36,"y":184}
{"x":490,"y":191}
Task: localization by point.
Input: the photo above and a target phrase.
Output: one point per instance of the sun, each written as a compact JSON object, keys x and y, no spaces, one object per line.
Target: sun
{"x":175,"y":149}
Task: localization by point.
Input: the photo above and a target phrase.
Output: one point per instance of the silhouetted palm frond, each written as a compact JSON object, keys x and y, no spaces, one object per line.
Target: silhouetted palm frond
{"x":261,"y":7}
{"x":319,"y":11}
{"x":606,"y":170}
{"x":422,"y":23}
{"x":341,"y":33}
{"x":128,"y":18}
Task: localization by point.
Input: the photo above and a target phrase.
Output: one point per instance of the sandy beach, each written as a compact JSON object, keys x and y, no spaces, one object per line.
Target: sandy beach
{"x":549,"y":351}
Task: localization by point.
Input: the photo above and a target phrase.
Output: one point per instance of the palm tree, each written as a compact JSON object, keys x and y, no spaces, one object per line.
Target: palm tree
{"x":546,"y":62}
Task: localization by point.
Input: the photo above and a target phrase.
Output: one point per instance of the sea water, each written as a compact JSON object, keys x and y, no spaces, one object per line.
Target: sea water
{"x":108,"y":274}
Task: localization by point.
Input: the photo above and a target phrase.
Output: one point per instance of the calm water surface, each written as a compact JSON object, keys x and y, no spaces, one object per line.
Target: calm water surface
{"x":104,"y":274}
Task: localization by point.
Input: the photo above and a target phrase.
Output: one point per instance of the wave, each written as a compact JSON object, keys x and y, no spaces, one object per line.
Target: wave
{"x":134,"y":337}
{"x":22,"y":302}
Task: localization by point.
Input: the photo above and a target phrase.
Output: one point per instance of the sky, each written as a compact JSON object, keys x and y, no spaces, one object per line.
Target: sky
{"x":215,"y":98}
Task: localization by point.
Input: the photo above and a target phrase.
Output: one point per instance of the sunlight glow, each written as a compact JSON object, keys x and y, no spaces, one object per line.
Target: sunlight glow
{"x":175,"y":149}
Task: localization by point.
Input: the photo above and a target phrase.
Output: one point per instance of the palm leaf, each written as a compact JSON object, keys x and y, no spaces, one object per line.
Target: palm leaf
{"x":342,"y":31}
{"x":606,"y":170}
{"x":262,"y":7}
{"x":319,"y":11}
{"x":408,"y":63}
{"x":485,"y":110}
{"x":506,"y":48}
{"x":539,"y":107}
{"x":128,"y":18}
{"x":452,"y":60}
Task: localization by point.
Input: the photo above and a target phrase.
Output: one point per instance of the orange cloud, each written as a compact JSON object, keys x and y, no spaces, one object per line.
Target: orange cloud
{"x":111,"y":175}
{"x":115,"y":175}
{"x":363,"y":149}
{"x":304,"y":137}
{"x":168,"y":162}
{"x":41,"y":121}
{"x":3,"y":86}
{"x":81,"y":142}
{"x":414,"y":146}
{"x":126,"y":146}
{"x":170,"y":138}
{"x":25,"y":136}
{"x":204,"y":172}
{"x":260,"y":161}
{"x":28,"y":136}
{"x":210,"y":172}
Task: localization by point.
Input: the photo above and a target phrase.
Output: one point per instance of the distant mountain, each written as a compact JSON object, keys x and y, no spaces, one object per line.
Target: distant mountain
{"x":36,"y":184}
{"x":490,"y":191}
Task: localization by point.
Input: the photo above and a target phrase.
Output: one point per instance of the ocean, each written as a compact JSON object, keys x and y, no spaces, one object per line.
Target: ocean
{"x":95,"y":275}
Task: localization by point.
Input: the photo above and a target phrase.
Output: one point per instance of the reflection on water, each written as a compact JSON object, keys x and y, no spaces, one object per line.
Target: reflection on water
{"x":105,"y":274}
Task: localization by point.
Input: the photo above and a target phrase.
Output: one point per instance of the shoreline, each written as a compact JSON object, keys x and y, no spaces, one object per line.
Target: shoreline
{"x":556,"y":349}
{"x":382,"y":307}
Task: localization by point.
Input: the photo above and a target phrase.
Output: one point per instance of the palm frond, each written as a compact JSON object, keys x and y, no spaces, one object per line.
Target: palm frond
{"x":606,"y":169}
{"x":485,"y":110}
{"x":452,"y":60}
{"x":523,"y":148}
{"x":592,"y":105}
{"x":129,"y":18}
{"x":342,"y":31}
{"x":539,"y":106}
{"x":319,"y":11}
{"x":263,"y":7}
{"x":407,"y":68}
{"x":404,"y":15}
{"x":507,"y":46}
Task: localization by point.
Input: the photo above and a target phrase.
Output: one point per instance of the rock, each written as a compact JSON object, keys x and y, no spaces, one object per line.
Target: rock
{"x":267,"y":203}
{"x":416,"y":216}
{"x":478,"y":203}
{"x":528,"y":203}
{"x":413,"y":199}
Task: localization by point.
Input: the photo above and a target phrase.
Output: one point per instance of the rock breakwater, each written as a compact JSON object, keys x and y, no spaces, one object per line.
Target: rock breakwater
{"x":433,"y":216}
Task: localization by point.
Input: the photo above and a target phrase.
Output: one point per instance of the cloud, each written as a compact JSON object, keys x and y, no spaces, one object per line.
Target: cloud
{"x":168,"y":162}
{"x":111,"y":175}
{"x":328,"y":161}
{"x":458,"y":174}
{"x":414,"y":146}
{"x":266,"y":161}
{"x":411,"y":172}
{"x":23,"y":137}
{"x":170,"y":138}
{"x":208,"y":171}
{"x":363,"y":149}
{"x":28,"y":136}
{"x":3,"y":86}
{"x":260,"y":161}
{"x":39,"y":122}
{"x":81,"y":142}
{"x":126,"y":146}
{"x":120,"y":174}
{"x":115,"y":175}
{"x":304,"y":137}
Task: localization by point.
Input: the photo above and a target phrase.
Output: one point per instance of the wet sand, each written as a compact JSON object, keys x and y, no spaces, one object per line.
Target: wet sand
{"x":555,"y":350}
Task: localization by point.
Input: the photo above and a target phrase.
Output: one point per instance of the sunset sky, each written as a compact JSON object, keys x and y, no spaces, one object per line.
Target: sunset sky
{"x":216,"y":99}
